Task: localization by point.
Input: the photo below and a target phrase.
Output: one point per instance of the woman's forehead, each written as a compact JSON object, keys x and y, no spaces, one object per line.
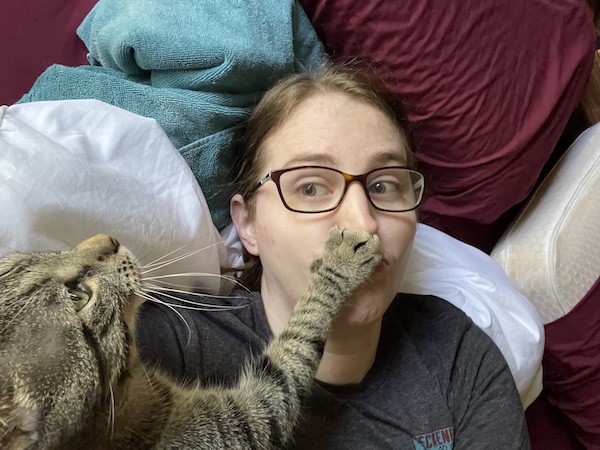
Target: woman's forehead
{"x":328,"y":129}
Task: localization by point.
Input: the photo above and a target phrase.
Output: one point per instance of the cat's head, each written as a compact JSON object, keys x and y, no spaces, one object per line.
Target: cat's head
{"x":66,"y":324}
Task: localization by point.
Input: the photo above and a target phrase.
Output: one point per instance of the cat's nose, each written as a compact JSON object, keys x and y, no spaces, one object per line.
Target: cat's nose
{"x":103,"y":244}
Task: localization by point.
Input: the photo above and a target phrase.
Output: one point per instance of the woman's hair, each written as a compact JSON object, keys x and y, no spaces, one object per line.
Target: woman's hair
{"x":277,"y":105}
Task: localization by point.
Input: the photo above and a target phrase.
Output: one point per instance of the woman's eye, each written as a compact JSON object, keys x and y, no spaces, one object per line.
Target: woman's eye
{"x":384,"y":187}
{"x":313,"y":190}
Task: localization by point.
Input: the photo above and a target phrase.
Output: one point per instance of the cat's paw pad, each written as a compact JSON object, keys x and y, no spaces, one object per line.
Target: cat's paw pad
{"x":352,"y":253}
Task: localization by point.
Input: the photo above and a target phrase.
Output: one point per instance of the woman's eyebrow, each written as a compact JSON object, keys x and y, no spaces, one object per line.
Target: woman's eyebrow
{"x":386,"y":157}
{"x":310,"y":159}
{"x":396,"y":157}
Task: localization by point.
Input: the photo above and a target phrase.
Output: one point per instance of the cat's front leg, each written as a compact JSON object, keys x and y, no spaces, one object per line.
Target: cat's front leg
{"x":348,"y":261}
{"x":265,"y":407}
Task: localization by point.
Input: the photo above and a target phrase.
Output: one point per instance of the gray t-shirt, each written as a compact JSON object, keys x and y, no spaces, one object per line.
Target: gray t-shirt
{"x":438,"y":382}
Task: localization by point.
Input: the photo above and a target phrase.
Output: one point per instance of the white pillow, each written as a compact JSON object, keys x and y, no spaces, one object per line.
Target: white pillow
{"x":72,"y":169}
{"x":473,"y":282}
{"x":552,"y":252}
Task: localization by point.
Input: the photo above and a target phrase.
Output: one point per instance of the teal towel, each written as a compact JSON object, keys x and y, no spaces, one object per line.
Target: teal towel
{"x":197,"y":67}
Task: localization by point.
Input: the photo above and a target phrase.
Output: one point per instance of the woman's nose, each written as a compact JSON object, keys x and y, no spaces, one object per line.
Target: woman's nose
{"x":356,"y":210}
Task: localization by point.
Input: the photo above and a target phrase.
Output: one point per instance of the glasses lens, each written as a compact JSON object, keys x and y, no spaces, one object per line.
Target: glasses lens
{"x":311,"y":189}
{"x":395,"y":189}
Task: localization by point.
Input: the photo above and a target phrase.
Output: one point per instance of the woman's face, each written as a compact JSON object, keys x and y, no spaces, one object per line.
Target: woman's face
{"x":338,"y":131}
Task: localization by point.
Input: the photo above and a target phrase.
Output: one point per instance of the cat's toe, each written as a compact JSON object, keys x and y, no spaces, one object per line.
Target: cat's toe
{"x":335,"y":238}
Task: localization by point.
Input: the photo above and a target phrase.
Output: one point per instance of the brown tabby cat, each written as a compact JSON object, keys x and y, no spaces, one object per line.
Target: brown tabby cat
{"x":70,"y":376}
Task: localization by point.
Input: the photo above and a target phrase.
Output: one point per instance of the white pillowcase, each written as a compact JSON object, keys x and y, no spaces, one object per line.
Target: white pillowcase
{"x":551,"y":251}
{"x":71,"y":169}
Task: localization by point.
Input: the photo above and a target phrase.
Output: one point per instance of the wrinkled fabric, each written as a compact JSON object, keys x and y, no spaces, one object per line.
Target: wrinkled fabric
{"x":488,"y":88}
{"x":572,"y":367}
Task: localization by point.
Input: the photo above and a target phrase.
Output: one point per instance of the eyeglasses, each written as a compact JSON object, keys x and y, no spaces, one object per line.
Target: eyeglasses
{"x":316,"y":189}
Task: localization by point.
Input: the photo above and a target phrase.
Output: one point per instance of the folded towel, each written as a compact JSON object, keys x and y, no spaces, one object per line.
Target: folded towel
{"x":198,"y":68}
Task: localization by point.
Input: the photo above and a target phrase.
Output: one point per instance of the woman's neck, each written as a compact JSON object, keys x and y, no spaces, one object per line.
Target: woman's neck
{"x":349,"y":353}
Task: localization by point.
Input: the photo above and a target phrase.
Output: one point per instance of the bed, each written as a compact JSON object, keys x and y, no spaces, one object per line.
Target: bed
{"x":490,"y":90}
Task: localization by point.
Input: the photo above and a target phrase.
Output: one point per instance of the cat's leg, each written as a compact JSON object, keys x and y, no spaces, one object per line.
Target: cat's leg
{"x":348,"y":261}
{"x":292,"y":359}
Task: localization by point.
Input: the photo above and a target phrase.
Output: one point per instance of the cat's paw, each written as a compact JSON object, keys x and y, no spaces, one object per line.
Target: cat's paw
{"x":350,"y":255}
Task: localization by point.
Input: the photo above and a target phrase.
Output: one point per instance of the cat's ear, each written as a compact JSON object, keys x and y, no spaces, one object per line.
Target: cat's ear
{"x":244,"y":223}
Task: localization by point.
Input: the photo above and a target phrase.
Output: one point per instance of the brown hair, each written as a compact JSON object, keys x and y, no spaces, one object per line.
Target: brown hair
{"x":273,"y":110}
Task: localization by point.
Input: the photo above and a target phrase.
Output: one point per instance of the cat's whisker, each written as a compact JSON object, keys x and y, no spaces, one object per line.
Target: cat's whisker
{"x":188,"y":287}
{"x":184,"y":274}
{"x":166,"y":255}
{"x":68,"y":243}
{"x":229,"y":278}
{"x":161,"y":262}
{"x":164,"y":260}
{"x":153,"y":299}
{"x":138,"y":261}
{"x":183,"y":289}
{"x":15,"y":316}
{"x":160,"y":258}
{"x":150,"y":383}
{"x":205,"y":306}
{"x":195,"y":305}
{"x":3,"y":426}
{"x":148,"y":377}
{"x":111,"y":412}
{"x":159,"y":288}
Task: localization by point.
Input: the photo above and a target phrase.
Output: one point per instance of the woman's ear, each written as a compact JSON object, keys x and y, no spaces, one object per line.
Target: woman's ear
{"x":244,"y":224}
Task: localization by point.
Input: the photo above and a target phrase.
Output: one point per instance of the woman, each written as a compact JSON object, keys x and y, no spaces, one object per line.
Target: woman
{"x":398,"y":371}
